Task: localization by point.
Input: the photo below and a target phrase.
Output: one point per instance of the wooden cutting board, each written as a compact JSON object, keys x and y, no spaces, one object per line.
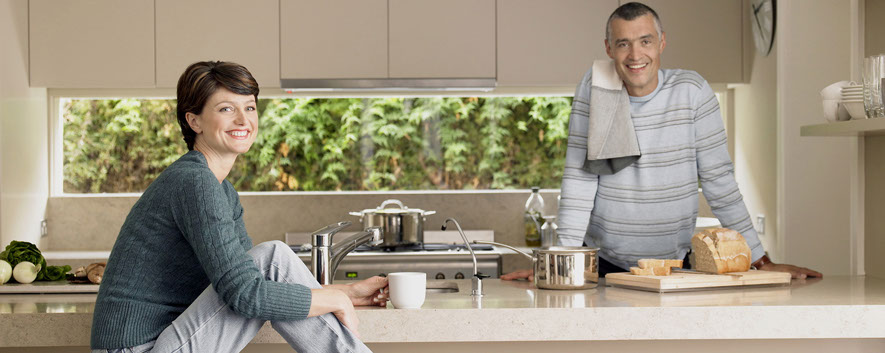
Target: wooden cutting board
{"x":679,"y":282}
{"x":41,"y":287}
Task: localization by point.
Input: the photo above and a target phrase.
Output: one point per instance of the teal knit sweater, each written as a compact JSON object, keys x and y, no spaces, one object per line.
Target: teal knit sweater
{"x":184,"y":233}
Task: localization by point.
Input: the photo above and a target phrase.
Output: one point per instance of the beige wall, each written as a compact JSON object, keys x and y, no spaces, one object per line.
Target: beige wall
{"x":814,"y":173}
{"x":874,"y":152}
{"x":92,"y":223}
{"x":23,"y":132}
{"x":755,"y":138}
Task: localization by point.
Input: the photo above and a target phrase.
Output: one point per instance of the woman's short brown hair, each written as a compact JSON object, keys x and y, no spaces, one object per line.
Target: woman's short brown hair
{"x":200,"y":81}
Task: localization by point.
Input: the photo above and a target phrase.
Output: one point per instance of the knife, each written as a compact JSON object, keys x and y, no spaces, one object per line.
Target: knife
{"x":683,"y":270}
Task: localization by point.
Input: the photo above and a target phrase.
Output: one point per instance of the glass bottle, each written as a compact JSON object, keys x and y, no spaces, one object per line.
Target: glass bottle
{"x":532,"y":218}
{"x":548,"y":232}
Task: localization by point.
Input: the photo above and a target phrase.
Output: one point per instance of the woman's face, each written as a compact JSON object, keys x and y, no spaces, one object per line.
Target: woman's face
{"x":227,"y":125}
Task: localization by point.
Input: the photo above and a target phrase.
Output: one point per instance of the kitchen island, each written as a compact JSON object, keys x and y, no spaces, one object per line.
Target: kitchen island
{"x":839,"y":311}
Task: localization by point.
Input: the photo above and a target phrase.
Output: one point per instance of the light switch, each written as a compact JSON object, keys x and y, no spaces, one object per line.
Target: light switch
{"x":760,"y":224}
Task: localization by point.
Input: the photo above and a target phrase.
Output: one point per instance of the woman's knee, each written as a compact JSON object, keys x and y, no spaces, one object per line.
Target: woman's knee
{"x":276,"y":251}
{"x":268,"y":248}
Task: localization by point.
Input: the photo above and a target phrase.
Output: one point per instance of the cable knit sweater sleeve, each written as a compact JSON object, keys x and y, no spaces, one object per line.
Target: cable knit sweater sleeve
{"x":213,"y":227}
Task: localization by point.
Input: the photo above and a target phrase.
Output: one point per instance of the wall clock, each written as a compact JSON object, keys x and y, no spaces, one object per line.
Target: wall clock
{"x":762,"y":20}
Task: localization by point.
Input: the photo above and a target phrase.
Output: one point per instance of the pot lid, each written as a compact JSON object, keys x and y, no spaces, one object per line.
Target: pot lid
{"x":402,"y":209}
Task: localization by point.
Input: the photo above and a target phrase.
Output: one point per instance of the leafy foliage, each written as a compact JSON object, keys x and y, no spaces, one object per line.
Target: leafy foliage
{"x":308,"y":144}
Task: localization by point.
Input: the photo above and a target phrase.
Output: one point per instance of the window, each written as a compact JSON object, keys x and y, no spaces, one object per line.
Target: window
{"x":330,"y":144}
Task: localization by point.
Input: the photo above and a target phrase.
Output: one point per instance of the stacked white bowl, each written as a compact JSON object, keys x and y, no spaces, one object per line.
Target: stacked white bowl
{"x":852,"y":100}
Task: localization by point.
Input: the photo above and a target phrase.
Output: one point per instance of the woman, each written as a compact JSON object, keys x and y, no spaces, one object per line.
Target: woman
{"x":183,"y":275}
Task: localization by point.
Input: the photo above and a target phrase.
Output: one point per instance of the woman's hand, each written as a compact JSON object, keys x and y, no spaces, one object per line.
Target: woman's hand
{"x":370,"y":291}
{"x":328,"y":300}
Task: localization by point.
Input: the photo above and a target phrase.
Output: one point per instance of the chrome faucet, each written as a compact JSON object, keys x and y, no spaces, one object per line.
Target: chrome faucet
{"x":325,"y":257}
{"x":477,"y":277}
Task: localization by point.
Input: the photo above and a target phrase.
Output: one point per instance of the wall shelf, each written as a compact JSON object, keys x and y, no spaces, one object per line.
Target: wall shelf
{"x":864,"y":127}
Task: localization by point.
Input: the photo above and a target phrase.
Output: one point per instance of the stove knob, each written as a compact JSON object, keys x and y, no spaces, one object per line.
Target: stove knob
{"x":440,"y":275}
{"x":459,"y":275}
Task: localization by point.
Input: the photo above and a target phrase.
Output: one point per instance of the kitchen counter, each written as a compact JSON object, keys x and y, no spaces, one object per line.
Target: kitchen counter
{"x":833,"y":307}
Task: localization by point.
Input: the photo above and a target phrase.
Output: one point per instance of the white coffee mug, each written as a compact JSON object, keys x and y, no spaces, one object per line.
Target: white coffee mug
{"x":407,"y":289}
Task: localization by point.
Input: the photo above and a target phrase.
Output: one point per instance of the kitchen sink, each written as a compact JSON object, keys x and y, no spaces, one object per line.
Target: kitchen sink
{"x":442,"y":287}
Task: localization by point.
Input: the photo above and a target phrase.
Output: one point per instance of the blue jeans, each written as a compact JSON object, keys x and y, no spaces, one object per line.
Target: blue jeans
{"x":209,"y":325}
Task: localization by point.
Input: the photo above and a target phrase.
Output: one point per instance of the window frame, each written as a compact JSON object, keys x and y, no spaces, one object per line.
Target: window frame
{"x":56,"y":127}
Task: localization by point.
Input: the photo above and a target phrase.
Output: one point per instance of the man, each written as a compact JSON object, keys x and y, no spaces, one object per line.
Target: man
{"x":646,"y":207}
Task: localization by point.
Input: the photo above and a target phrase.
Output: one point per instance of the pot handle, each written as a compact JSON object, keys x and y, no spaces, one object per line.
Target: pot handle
{"x":506,"y":246}
{"x":358,"y":214}
{"x":427,"y":213}
{"x":391,"y":201}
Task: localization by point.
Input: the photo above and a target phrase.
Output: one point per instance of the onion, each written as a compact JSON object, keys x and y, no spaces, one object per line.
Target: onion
{"x":25,"y":272}
{"x":5,"y":271}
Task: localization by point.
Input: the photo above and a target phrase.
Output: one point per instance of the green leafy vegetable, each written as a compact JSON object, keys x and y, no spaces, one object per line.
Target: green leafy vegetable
{"x":20,"y":251}
{"x":53,"y":273}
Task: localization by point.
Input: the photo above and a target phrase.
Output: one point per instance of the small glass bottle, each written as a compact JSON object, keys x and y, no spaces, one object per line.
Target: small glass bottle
{"x":532,"y":218}
{"x":548,"y":232}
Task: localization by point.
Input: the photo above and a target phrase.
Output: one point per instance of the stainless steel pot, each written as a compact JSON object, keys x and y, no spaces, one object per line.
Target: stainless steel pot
{"x":561,"y":267}
{"x":399,"y":226}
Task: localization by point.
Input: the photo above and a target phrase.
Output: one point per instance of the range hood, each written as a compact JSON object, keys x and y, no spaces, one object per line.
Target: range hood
{"x":389,"y":84}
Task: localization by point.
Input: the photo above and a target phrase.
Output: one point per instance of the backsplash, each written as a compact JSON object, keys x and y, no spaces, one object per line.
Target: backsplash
{"x":92,"y":223}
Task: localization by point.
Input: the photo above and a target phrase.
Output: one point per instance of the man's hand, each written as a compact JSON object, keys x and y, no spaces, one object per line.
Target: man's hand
{"x":521,"y":274}
{"x":795,"y":271}
{"x":370,"y":291}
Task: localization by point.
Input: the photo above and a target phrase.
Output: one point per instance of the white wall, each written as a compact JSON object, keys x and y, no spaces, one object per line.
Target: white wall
{"x":24,"y":157}
{"x":813,"y":50}
{"x":755,"y":138}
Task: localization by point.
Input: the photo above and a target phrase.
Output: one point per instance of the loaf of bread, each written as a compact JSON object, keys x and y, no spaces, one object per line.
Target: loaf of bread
{"x":720,"y":250}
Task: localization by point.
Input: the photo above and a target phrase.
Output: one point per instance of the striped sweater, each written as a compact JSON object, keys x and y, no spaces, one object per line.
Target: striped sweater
{"x":648,"y":210}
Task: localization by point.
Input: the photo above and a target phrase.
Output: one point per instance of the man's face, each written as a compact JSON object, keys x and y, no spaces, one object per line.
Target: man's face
{"x":636,"y":49}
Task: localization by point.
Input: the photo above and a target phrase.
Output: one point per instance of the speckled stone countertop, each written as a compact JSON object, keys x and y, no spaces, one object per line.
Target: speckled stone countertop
{"x":833,"y":307}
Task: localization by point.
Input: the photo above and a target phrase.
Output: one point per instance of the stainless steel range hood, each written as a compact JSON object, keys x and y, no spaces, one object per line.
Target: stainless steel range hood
{"x":391,"y":84}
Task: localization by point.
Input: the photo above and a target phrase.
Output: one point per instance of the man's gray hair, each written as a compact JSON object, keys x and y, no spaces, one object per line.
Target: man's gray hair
{"x":629,"y":12}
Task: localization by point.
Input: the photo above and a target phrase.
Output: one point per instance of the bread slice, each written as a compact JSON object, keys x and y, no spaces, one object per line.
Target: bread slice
{"x":673,"y":263}
{"x":642,"y":271}
{"x":651,"y":271}
{"x":652,"y":263}
{"x":720,"y":250}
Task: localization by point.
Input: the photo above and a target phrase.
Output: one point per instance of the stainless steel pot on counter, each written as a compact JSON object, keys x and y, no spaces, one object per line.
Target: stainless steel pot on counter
{"x":561,"y":267}
{"x":399,"y":225}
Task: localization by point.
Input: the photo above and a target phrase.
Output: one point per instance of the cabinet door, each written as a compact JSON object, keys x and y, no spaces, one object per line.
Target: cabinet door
{"x":442,"y":38}
{"x":550,"y":43}
{"x":245,"y":32}
{"x":704,"y":36}
{"x":91,"y":44}
{"x":333,"y":39}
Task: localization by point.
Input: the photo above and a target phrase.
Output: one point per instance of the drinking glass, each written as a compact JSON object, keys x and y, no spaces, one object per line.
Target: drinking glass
{"x":873,"y":72}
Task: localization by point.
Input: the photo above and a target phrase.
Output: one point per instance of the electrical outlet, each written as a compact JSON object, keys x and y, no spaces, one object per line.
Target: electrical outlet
{"x":760,"y":224}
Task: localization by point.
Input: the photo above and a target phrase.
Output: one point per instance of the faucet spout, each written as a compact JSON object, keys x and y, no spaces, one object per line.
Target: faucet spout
{"x":341,"y":249}
{"x":477,"y":277}
{"x":325,"y":257}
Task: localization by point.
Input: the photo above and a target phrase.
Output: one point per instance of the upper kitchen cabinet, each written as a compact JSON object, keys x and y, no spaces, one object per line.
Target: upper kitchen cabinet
{"x":245,"y":32}
{"x":91,"y":44}
{"x":704,"y":36}
{"x":442,"y":38}
{"x":550,"y":43}
{"x":333,"y":39}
